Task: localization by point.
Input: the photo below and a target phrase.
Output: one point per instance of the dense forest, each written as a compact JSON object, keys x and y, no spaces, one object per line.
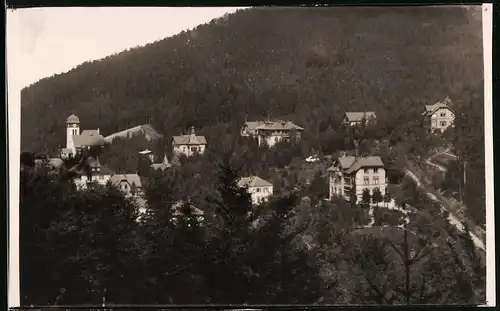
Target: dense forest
{"x":283,"y":251}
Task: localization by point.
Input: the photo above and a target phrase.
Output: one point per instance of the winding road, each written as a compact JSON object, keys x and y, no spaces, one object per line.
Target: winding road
{"x":453,"y":220}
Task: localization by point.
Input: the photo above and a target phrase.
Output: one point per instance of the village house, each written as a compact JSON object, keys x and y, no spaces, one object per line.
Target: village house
{"x":272,"y":132}
{"x":189,"y":145}
{"x":356,"y":118}
{"x":438,"y":117}
{"x":259,"y":189}
{"x":76,"y":141}
{"x":97,"y":173}
{"x":351,"y":175}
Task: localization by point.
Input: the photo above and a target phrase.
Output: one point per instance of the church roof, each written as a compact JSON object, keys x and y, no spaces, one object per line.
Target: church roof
{"x":88,"y":140}
{"x":73,"y":119}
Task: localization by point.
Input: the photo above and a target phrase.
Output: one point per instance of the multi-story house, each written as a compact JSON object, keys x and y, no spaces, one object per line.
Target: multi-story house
{"x":351,"y":175}
{"x":272,"y":132}
{"x":260,"y":190}
{"x":189,"y":145}
{"x":439,"y":117}
{"x":96,"y":173}
{"x":355,"y":118}
{"x":76,"y":141}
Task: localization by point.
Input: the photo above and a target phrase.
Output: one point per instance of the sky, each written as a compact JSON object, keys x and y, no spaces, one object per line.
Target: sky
{"x":46,"y":41}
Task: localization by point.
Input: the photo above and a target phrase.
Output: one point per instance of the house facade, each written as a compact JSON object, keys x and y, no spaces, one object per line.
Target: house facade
{"x":350,"y":176}
{"x":356,"y":118}
{"x":76,"y":141}
{"x":438,"y":117}
{"x":259,"y":189}
{"x":272,"y":132}
{"x":99,"y":174}
{"x":189,"y":145}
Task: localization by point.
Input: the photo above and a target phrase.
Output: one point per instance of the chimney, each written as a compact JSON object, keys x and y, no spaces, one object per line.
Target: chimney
{"x":98,"y":131}
{"x":192,"y":131}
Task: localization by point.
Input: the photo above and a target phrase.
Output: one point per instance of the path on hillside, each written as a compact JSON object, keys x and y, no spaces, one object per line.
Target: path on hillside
{"x":452,"y":218}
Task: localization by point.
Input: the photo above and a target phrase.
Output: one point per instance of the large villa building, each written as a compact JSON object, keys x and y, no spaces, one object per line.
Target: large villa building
{"x":351,"y":175}
{"x":272,"y":132}
{"x":438,"y":117}
{"x":189,"y":145}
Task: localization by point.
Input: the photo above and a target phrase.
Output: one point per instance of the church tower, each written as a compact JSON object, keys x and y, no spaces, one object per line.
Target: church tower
{"x":72,"y":128}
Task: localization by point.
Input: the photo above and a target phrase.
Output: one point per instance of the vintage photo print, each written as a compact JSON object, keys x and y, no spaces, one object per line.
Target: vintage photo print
{"x":250,"y":156}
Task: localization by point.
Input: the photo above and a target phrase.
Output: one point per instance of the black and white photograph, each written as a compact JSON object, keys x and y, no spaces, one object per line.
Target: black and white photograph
{"x":250,"y":156}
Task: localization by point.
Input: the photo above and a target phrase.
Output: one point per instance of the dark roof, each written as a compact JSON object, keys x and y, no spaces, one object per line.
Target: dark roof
{"x":132,"y":179}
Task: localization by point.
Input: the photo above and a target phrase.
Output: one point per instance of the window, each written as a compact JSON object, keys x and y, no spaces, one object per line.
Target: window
{"x":365,"y":170}
{"x":442,"y":123}
{"x":194,"y":149}
{"x":375,"y":180}
{"x":266,"y":190}
{"x":375,"y":170}
{"x":257,"y":190}
{"x":101,"y":177}
{"x":366,"y":180}
{"x":442,"y":114}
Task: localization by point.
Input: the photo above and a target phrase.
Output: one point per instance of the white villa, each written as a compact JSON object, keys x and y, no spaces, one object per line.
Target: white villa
{"x":259,"y":189}
{"x":439,"y":117}
{"x":351,"y":174}
{"x":272,"y":132}
{"x":76,"y":141}
{"x":355,"y":118}
{"x":189,"y":145}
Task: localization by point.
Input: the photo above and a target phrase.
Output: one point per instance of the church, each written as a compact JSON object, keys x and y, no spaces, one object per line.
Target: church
{"x":76,"y":141}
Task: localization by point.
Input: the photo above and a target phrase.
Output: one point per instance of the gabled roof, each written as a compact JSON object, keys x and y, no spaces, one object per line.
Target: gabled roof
{"x":131,"y":179}
{"x":431,"y":109}
{"x":162,"y":166}
{"x":88,"y":140}
{"x":90,"y":132}
{"x":73,"y":119}
{"x":253,"y":181}
{"x":350,"y":164}
{"x":272,"y":125}
{"x":359,"y":116}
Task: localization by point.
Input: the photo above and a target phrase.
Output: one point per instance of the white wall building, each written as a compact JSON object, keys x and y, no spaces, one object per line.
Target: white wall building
{"x":272,"y":132}
{"x":351,"y":174}
{"x":439,"y":117}
{"x":259,"y":189}
{"x":189,"y":145}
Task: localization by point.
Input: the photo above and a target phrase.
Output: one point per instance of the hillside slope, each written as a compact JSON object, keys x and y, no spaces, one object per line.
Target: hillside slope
{"x":309,"y":64}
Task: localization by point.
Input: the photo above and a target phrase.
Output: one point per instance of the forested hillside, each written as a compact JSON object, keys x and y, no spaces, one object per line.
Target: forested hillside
{"x":309,"y":64}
